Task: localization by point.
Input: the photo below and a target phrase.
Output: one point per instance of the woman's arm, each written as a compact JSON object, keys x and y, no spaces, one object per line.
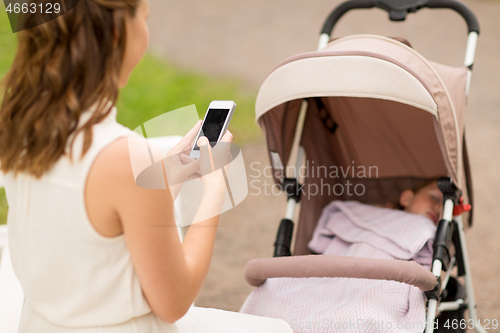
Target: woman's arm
{"x":171,"y":273}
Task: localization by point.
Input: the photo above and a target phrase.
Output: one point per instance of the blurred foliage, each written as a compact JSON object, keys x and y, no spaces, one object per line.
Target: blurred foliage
{"x":8,"y":42}
{"x":3,"y":206}
{"x":7,"y":52}
{"x":156,"y":87}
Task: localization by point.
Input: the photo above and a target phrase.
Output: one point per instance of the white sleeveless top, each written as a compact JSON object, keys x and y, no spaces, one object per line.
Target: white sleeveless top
{"x":70,"y":274}
{"x":76,"y":280}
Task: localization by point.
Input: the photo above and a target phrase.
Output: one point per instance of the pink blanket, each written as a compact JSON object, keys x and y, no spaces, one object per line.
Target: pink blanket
{"x":346,"y":304}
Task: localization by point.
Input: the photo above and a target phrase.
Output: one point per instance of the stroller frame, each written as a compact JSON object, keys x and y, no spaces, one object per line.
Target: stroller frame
{"x":451,"y":228}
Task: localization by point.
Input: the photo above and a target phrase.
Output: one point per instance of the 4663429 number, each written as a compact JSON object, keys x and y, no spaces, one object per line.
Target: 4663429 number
{"x":47,"y":8}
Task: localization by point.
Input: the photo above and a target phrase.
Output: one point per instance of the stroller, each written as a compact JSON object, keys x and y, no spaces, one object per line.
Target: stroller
{"x":362,"y":101}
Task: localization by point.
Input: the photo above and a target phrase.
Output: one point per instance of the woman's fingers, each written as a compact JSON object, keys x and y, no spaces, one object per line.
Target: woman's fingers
{"x":224,"y":150}
{"x":185,"y":159}
{"x":195,"y":175}
{"x":227,"y":137}
{"x":202,"y":141}
{"x":192,"y":133}
{"x":206,"y":159}
{"x":192,"y":167}
{"x":187,"y":140}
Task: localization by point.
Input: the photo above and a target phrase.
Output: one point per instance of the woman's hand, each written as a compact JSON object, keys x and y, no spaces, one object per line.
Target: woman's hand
{"x":187,"y":141}
{"x":214,"y":164}
{"x":214,"y":161}
{"x":179,"y":167}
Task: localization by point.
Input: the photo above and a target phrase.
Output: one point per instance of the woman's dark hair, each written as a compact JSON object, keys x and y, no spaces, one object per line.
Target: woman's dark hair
{"x":61,"y":69}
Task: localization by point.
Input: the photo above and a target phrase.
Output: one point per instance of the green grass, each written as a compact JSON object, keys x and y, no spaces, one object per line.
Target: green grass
{"x":3,"y":206}
{"x":156,"y":87}
{"x":7,"y":49}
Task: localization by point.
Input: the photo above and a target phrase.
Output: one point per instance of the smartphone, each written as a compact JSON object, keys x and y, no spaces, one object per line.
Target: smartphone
{"x":215,"y":124}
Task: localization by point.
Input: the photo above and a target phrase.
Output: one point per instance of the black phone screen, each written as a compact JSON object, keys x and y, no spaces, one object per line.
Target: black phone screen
{"x":212,"y":126}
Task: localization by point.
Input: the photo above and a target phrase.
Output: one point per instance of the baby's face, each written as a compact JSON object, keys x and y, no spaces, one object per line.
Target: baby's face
{"x":427,"y":202}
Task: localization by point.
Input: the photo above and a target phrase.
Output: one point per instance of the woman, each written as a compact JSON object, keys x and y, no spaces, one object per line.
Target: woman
{"x":92,"y":250}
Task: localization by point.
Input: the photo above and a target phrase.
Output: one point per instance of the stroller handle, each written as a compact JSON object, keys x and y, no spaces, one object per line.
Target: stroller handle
{"x":409,"y":272}
{"x":398,"y":9}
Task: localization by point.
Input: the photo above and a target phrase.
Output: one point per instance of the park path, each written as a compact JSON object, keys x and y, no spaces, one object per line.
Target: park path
{"x":245,"y":39}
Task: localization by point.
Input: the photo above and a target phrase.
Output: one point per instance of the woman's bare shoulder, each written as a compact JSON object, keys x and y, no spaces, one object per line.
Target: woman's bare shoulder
{"x":111,"y":190}
{"x":113,"y":175}
{"x":110,"y":173}
{"x":118,"y":161}
{"x":113,"y":162}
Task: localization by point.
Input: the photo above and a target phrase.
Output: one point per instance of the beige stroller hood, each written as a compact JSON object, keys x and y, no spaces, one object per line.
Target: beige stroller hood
{"x":378,"y":114}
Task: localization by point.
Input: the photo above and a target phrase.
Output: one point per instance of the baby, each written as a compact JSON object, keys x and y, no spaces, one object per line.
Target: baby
{"x":426,"y":200}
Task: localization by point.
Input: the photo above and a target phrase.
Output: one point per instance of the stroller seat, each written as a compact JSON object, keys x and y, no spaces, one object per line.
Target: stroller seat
{"x":351,"y":235}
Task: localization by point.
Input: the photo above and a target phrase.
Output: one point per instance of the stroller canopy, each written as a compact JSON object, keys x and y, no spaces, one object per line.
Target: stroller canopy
{"x":375,"y":104}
